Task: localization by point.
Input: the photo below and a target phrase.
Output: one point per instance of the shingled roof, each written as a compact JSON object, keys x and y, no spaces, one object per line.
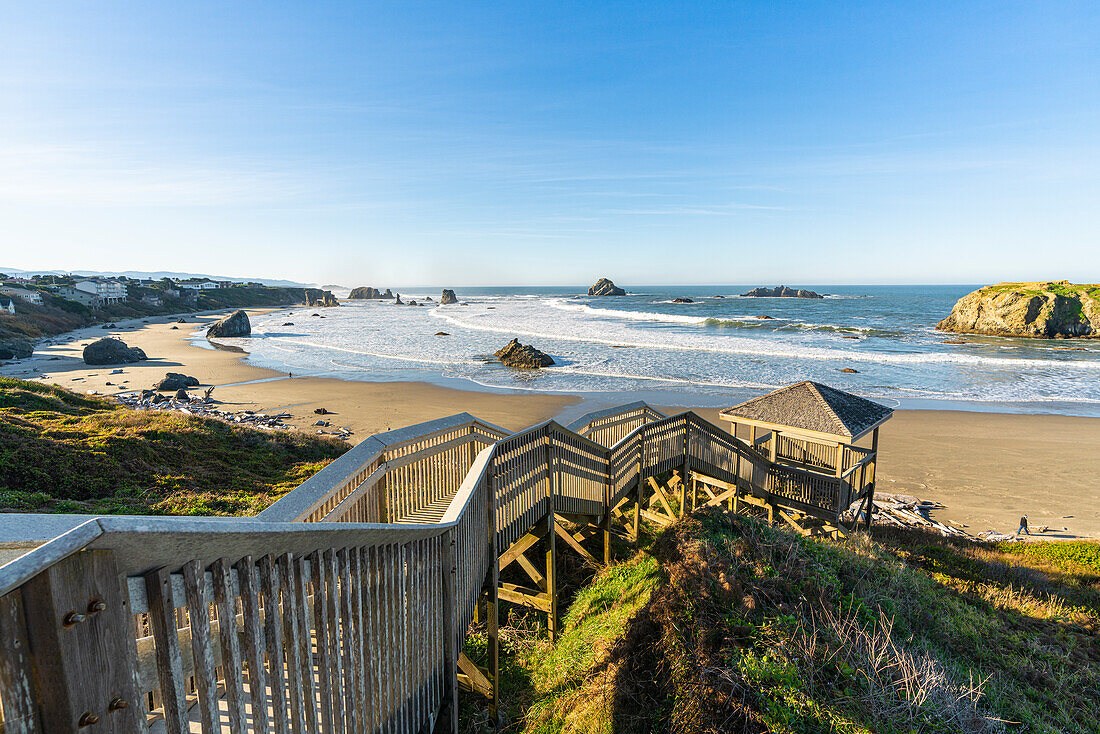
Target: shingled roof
{"x":811,"y":406}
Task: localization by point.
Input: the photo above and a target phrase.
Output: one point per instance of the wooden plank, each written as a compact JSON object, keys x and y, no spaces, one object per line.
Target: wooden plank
{"x":524,"y":597}
{"x":288,"y":585}
{"x":660,"y":494}
{"x":162,"y":619}
{"x":661,"y":520}
{"x":574,"y":544}
{"x":348,"y":638}
{"x":229,"y":638}
{"x":273,"y":639}
{"x":324,"y":663}
{"x":305,"y":645}
{"x":335,"y":669}
{"x":477,"y":678}
{"x":198,"y":613}
{"x":16,"y":678}
{"x":253,"y":643}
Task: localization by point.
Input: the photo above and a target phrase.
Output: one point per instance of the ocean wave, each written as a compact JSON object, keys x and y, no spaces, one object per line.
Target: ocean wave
{"x":631,"y":315}
{"x":779,"y":324}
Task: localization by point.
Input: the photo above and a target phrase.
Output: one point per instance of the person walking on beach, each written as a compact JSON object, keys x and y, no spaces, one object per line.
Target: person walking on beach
{"x":1023,"y":526}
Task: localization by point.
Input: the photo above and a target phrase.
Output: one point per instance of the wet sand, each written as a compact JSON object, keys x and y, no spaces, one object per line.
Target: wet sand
{"x":987,"y":468}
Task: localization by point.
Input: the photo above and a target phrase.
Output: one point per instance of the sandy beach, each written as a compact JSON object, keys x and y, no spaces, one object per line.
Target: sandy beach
{"x":987,"y":468}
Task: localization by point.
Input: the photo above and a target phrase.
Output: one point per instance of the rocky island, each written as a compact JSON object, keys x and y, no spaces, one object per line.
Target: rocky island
{"x":604,"y":287}
{"x":781,"y":291}
{"x":1049,"y":310}
{"x":514,"y":354}
{"x":366,"y":293}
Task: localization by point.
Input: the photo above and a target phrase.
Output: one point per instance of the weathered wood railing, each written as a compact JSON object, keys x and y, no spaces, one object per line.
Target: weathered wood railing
{"x":342,"y":607}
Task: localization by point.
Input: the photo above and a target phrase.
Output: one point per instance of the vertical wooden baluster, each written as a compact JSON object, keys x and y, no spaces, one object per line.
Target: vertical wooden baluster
{"x":355,"y":558}
{"x":288,"y":584}
{"x":230,"y":643}
{"x":162,"y":617}
{"x":335,"y":671}
{"x":370,"y":612}
{"x":273,"y":634}
{"x":253,"y":643}
{"x":320,"y":621}
{"x":202,"y":649}
{"x":349,"y":639}
{"x":16,"y":678}
{"x":305,"y":646}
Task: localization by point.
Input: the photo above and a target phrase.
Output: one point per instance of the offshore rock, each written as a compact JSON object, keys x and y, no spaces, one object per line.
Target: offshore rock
{"x":235,"y":324}
{"x":604,"y":287}
{"x":319,"y":298}
{"x":1049,"y":310}
{"x":781,"y":292}
{"x":111,"y":351}
{"x":365,"y":293}
{"x":525,"y":356}
{"x":448,"y":297}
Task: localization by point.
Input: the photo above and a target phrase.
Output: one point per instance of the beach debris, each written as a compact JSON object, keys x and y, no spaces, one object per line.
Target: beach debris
{"x":441,"y":333}
{"x":111,"y":351}
{"x":321,"y":411}
{"x":175,"y":327}
{"x":173,"y":381}
{"x":207,"y":393}
{"x":180,"y":320}
{"x":235,"y":324}
{"x":524,"y":356}
{"x":182,"y":403}
{"x":604,"y":287}
{"x":117,"y":372}
{"x":448,"y":297}
{"x":322,"y":423}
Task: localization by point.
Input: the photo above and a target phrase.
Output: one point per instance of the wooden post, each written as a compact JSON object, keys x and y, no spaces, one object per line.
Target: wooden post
{"x":81,"y":640}
{"x":492,"y":605}
{"x":449,"y":708}
{"x":640,"y":489}
{"x":20,"y":710}
{"x":551,"y":541}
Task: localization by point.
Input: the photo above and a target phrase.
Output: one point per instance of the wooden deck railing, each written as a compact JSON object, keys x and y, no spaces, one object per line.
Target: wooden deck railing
{"x":342,"y":607}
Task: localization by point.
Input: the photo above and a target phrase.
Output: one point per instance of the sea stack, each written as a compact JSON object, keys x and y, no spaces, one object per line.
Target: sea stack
{"x":365,"y":293}
{"x":235,"y":324}
{"x":525,"y":356}
{"x":1043,"y":310}
{"x":448,"y":297}
{"x":604,"y":287}
{"x":781,"y":291}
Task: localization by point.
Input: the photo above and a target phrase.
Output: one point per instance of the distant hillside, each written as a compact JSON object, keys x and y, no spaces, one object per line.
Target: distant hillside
{"x":70,"y":453}
{"x":57,"y":315}
{"x":728,"y":625}
{"x":157,"y":275}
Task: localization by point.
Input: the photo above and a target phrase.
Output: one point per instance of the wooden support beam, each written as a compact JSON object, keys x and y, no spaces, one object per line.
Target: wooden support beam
{"x":524,"y":597}
{"x":661,"y":520}
{"x":522,"y":545}
{"x":475,"y":677}
{"x":573,"y":543}
{"x":532,"y":572}
{"x":659,"y":493}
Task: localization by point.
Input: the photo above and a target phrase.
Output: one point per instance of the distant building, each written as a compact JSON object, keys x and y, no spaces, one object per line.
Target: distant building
{"x":27,"y":295}
{"x":152,"y":300}
{"x":10,"y":308}
{"x":198,"y":285}
{"x":110,"y":291}
{"x":80,"y":296}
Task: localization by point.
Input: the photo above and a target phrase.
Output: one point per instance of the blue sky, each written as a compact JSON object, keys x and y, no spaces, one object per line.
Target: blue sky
{"x":552,"y":143}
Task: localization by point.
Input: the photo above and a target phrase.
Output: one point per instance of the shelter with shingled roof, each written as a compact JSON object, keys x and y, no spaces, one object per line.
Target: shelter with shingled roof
{"x":812,"y":427}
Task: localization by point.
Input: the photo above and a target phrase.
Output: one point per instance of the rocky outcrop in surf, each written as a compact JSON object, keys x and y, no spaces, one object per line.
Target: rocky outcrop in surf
{"x":1045,"y":310}
{"x":604,"y":287}
{"x":448,"y":297}
{"x":364,"y":293}
{"x":781,"y":291}
{"x":235,"y":324}
{"x":314,"y":297}
{"x":514,"y":354}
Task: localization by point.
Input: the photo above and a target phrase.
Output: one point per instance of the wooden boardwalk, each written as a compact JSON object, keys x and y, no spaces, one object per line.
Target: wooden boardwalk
{"x":342,"y":607}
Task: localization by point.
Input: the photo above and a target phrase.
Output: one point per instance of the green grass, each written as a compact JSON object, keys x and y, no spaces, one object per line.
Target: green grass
{"x":69,"y":453}
{"x":727,"y":624}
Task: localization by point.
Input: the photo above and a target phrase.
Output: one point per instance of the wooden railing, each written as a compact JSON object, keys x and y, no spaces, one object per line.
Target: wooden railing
{"x":342,"y":607}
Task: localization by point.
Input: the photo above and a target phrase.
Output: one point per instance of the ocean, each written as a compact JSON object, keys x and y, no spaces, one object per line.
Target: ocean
{"x":715,"y":351}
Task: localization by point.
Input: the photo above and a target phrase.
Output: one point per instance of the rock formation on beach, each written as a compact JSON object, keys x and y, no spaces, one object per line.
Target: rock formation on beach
{"x":514,"y":354}
{"x":366,"y":293}
{"x":1040,"y":310}
{"x":318,"y":298}
{"x":398,"y":302}
{"x":235,"y":324}
{"x":604,"y":287}
{"x":448,"y":297}
{"x":111,"y":351}
{"x":174,"y":381}
{"x":16,"y":349}
{"x":781,"y":291}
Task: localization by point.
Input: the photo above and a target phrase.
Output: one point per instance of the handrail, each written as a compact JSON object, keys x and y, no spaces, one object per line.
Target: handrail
{"x":447,"y":495}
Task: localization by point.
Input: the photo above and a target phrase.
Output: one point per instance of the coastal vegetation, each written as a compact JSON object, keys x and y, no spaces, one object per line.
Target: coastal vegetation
{"x":723,"y":623}
{"x":69,"y":453}
{"x":1056,"y":309}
